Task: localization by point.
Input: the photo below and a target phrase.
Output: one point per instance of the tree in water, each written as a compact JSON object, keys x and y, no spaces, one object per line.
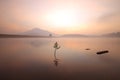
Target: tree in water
{"x":50,"y":35}
{"x":56,"y":46}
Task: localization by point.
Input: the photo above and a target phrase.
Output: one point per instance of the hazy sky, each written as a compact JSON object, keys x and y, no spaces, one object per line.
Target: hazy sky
{"x":60,"y":16}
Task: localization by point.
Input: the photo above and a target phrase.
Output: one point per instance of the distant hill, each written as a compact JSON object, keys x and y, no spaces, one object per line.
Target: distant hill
{"x":37,"y":32}
{"x":74,"y":35}
{"x":116,"y":34}
{"x":21,"y":36}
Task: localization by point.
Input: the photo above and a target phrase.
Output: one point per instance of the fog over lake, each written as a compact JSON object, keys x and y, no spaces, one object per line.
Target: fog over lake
{"x":33,"y":59}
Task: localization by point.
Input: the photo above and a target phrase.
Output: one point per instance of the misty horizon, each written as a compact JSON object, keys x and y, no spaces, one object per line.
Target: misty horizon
{"x":40,"y":32}
{"x":62,"y":16}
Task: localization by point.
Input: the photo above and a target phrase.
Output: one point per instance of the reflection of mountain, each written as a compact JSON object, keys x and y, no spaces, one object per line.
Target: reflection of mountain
{"x":37,"y":31}
{"x":74,"y":35}
{"x":37,"y":43}
{"x":117,"y":34}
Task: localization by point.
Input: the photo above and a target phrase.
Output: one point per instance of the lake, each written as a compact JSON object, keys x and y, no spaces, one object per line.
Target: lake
{"x":34,"y":59}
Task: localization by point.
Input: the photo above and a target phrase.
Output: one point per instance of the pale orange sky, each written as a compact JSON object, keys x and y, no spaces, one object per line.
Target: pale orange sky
{"x":60,"y":16}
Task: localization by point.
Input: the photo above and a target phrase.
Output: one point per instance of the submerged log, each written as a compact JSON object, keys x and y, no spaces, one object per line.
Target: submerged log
{"x":102,"y":52}
{"x":87,"y":49}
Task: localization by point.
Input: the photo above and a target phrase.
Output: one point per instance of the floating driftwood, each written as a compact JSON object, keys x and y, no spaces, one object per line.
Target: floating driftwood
{"x":102,"y":52}
{"x":87,"y":49}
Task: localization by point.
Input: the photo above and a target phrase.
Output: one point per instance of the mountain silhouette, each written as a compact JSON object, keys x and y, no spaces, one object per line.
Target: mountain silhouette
{"x":115,"y":34}
{"x":37,"y":32}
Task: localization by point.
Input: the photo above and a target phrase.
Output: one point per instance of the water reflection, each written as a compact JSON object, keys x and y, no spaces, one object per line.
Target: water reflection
{"x":37,"y":43}
{"x":56,"y":61}
{"x":30,"y":59}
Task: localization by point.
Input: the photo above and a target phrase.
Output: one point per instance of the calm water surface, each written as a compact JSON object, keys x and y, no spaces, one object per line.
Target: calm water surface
{"x":33,"y":59}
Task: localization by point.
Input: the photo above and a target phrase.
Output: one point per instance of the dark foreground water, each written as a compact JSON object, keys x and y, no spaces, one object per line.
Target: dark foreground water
{"x":33,"y":59}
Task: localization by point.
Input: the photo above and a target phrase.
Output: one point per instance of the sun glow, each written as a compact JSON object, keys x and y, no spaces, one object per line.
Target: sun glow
{"x":62,"y":18}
